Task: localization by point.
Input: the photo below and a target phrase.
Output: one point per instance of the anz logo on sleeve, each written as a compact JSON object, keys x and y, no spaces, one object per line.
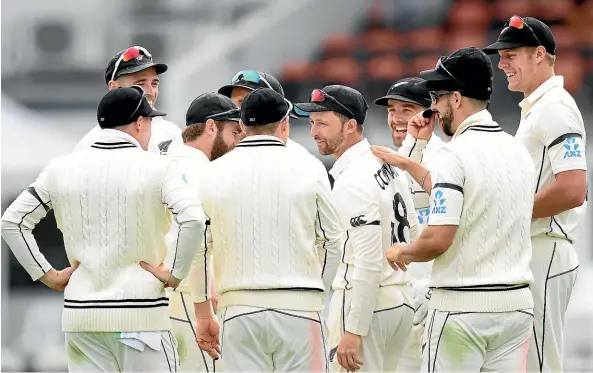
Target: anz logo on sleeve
{"x":439,"y":203}
{"x":572,"y":148}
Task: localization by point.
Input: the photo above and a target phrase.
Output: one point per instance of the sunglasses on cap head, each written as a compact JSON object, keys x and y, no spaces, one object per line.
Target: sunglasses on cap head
{"x":249,"y":76}
{"x":441,"y":66}
{"x":320,"y":96}
{"x":135,"y":52}
{"x":290,"y":107}
{"x":220,"y":115}
{"x":140,"y":101}
{"x":518,"y":23}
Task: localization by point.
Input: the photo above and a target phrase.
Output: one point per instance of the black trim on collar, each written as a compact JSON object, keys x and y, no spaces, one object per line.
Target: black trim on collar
{"x":113,"y":145}
{"x":260,"y":142}
{"x":482,"y":128}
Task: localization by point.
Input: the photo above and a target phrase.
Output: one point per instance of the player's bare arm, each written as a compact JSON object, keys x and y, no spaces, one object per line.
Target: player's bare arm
{"x":433,"y":241}
{"x":567,"y":191}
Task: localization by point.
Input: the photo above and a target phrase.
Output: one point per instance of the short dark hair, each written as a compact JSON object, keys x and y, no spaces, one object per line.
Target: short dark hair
{"x":194,"y":131}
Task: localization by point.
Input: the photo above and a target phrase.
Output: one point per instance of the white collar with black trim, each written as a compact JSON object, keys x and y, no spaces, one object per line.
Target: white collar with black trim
{"x":260,"y":140}
{"x":552,"y":82}
{"x":349,"y":155}
{"x":115,"y":139}
{"x":480,"y":121}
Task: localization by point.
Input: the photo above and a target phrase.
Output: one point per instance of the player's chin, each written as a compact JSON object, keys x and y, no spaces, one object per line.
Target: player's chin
{"x":398,"y":139}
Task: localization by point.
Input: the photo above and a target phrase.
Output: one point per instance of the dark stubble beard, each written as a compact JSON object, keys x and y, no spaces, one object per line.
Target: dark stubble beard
{"x":447,"y":120}
{"x":333,"y":144}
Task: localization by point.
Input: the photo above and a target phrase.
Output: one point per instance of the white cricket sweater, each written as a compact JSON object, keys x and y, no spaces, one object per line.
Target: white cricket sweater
{"x":275,"y":231}
{"x":483,"y":182}
{"x":376,"y":210}
{"x":110,"y":203}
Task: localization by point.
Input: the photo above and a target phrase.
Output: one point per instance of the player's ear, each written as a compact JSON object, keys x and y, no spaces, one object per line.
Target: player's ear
{"x":138,"y":124}
{"x":351,"y":126}
{"x":211,"y":128}
{"x":242,"y":126}
{"x":456,"y":98}
{"x":112,"y":85}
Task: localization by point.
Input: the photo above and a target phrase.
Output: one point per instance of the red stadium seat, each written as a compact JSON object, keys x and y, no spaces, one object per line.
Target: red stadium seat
{"x":502,"y":10}
{"x":469,"y":14}
{"x":564,"y":36}
{"x":553,"y":9}
{"x":425,"y":62}
{"x":387,"y":67}
{"x":459,"y":38}
{"x":571,"y":66}
{"x":340,"y":70}
{"x":339,"y":43}
{"x":381,"y":40}
{"x":425,"y":39}
{"x":296,"y":71}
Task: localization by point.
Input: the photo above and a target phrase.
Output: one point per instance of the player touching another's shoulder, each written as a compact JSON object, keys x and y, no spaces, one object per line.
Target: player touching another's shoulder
{"x":375,"y":208}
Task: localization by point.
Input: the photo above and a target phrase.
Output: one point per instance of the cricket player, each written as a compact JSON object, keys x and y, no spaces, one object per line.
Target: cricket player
{"x":481,"y":190}
{"x":135,"y":66}
{"x":404,"y":99}
{"x":212,"y":130}
{"x":110,"y":203}
{"x":246,"y":81}
{"x":271,"y":268}
{"x":370,"y":314}
{"x":553,"y":132}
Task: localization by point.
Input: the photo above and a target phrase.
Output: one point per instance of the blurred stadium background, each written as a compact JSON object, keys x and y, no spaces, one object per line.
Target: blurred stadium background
{"x":54,"y":53}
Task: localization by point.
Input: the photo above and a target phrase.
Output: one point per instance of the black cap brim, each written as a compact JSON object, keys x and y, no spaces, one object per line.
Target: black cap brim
{"x":383,"y":101}
{"x":499,"y":45}
{"x":228,"y":89}
{"x":311,"y":107}
{"x":156,"y":113}
{"x":159,"y":67}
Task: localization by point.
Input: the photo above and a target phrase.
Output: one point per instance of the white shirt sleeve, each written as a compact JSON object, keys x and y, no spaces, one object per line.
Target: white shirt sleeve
{"x":413,"y":147}
{"x":446,"y":198}
{"x":19,"y":220}
{"x":561,"y":131}
{"x":181,"y":199}
{"x":328,"y":231}
{"x":360,"y":216}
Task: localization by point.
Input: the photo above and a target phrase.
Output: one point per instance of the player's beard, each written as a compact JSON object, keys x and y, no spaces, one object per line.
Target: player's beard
{"x":447,"y":120}
{"x":330,"y":146}
{"x":219,"y":148}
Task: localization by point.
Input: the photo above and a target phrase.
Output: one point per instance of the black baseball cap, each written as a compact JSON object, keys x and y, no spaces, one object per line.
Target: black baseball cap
{"x":129,"y":61}
{"x":467,"y":70}
{"x":339,"y":98}
{"x":123,"y":106}
{"x":406,"y":90}
{"x":212,"y":106}
{"x":252,"y":80}
{"x":523,"y":32}
{"x":264,"y":106}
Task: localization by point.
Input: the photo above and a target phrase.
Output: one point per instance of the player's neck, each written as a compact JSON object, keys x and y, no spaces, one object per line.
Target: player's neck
{"x":538,"y":80}
{"x":201,"y":145}
{"x":349,"y":142}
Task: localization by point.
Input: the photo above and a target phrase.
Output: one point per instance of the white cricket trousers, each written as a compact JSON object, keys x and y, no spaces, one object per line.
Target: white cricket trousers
{"x":255,"y":339}
{"x":104,"y":352}
{"x":476,"y":342}
{"x":554,"y":265}
{"x":183,"y":319}
{"x":383,"y":345}
{"x":411,"y":359}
